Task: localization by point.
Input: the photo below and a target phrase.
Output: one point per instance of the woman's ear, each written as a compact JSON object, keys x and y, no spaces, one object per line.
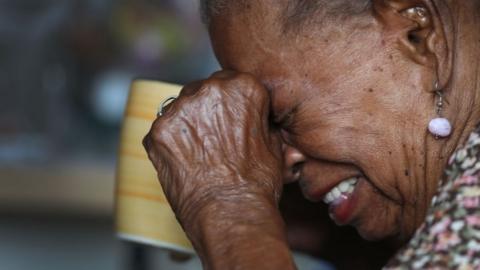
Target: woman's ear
{"x":424,"y":30}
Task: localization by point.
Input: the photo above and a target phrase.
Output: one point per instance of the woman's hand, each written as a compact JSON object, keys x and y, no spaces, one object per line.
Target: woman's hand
{"x":220,"y":167}
{"x":213,"y":145}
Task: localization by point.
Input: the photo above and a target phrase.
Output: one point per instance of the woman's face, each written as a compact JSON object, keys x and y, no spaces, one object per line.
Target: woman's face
{"x":350,"y":107}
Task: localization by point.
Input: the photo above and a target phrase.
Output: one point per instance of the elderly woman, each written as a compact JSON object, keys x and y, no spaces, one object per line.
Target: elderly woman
{"x":360,"y":102}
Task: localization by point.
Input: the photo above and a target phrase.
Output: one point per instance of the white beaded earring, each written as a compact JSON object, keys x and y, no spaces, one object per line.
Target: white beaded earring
{"x":440,"y":127}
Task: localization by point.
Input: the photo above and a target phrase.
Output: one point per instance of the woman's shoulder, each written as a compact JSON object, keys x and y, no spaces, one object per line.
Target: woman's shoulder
{"x":450,"y":236}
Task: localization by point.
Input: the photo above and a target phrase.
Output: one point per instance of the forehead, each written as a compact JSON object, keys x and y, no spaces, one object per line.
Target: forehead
{"x":291,"y":64}
{"x":266,"y":30}
{"x":240,"y":32}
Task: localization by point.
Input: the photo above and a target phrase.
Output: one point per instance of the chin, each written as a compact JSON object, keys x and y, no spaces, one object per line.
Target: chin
{"x":373,"y":235}
{"x":381,"y":231}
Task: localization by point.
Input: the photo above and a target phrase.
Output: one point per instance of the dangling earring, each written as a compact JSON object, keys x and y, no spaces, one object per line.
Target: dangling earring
{"x":440,"y":127}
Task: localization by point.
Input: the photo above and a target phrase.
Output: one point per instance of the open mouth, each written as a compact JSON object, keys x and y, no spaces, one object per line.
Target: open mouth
{"x":342,"y":191}
{"x":343,"y":199}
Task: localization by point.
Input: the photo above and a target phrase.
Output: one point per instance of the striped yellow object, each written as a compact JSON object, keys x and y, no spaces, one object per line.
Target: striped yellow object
{"x":142,"y":212}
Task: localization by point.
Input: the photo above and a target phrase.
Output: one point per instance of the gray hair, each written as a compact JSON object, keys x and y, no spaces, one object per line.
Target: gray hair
{"x":209,"y":8}
{"x":296,"y":11}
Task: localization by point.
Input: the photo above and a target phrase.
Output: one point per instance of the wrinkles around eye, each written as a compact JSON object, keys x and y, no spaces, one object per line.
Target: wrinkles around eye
{"x":285,"y":136}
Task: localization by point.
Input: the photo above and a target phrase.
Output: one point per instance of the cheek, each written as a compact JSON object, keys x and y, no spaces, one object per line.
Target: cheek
{"x":344,"y":116}
{"x":335,"y":137}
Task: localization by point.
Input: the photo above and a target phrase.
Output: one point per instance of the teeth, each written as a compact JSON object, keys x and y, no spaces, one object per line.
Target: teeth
{"x":336,"y":192}
{"x":329,"y":197}
{"x":345,"y":187}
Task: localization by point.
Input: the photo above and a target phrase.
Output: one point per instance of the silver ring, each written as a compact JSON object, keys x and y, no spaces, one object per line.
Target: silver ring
{"x":161,"y":109}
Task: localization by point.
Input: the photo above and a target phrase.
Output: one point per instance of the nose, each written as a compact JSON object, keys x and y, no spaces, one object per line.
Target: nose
{"x":293,"y":160}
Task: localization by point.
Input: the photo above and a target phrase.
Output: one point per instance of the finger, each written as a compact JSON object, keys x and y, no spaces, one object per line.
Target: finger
{"x":223,"y":74}
{"x":148,"y":145}
{"x":186,"y":92}
{"x":146,"y":142}
{"x":191,"y":88}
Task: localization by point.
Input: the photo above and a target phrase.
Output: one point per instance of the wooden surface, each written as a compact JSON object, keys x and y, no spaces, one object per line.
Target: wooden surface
{"x":75,"y":188}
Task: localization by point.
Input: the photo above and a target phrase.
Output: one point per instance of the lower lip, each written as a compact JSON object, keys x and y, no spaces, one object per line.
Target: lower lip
{"x":342,"y":209}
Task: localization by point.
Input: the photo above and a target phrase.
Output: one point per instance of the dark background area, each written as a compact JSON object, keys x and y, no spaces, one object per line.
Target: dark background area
{"x":65,"y":71}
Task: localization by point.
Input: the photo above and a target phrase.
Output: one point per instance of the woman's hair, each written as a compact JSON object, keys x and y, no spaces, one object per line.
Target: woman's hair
{"x":295,"y":11}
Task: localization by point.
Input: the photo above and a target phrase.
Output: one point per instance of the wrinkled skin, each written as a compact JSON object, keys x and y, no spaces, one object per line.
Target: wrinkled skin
{"x":215,"y":143}
{"x":221,"y":167}
{"x":351,"y":101}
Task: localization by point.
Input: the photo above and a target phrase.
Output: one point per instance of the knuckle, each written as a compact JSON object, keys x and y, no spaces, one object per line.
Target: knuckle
{"x":212,"y":86}
{"x":223,"y":74}
{"x":236,"y":85}
{"x":146,"y":142}
{"x":251,"y":85}
{"x":172,"y":108}
{"x":191,"y":88}
{"x":246,"y":78}
{"x":158,"y":130}
{"x":157,"y":126}
{"x":212,"y":83}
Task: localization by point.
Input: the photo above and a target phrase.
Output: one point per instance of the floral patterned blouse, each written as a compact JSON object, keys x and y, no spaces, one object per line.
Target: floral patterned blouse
{"x":450,"y":236}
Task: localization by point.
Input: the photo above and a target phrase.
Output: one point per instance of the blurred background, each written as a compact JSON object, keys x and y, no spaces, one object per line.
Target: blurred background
{"x":65,"y":71}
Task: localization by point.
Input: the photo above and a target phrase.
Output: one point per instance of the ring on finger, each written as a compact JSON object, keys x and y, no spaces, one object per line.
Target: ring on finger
{"x":164,"y":104}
